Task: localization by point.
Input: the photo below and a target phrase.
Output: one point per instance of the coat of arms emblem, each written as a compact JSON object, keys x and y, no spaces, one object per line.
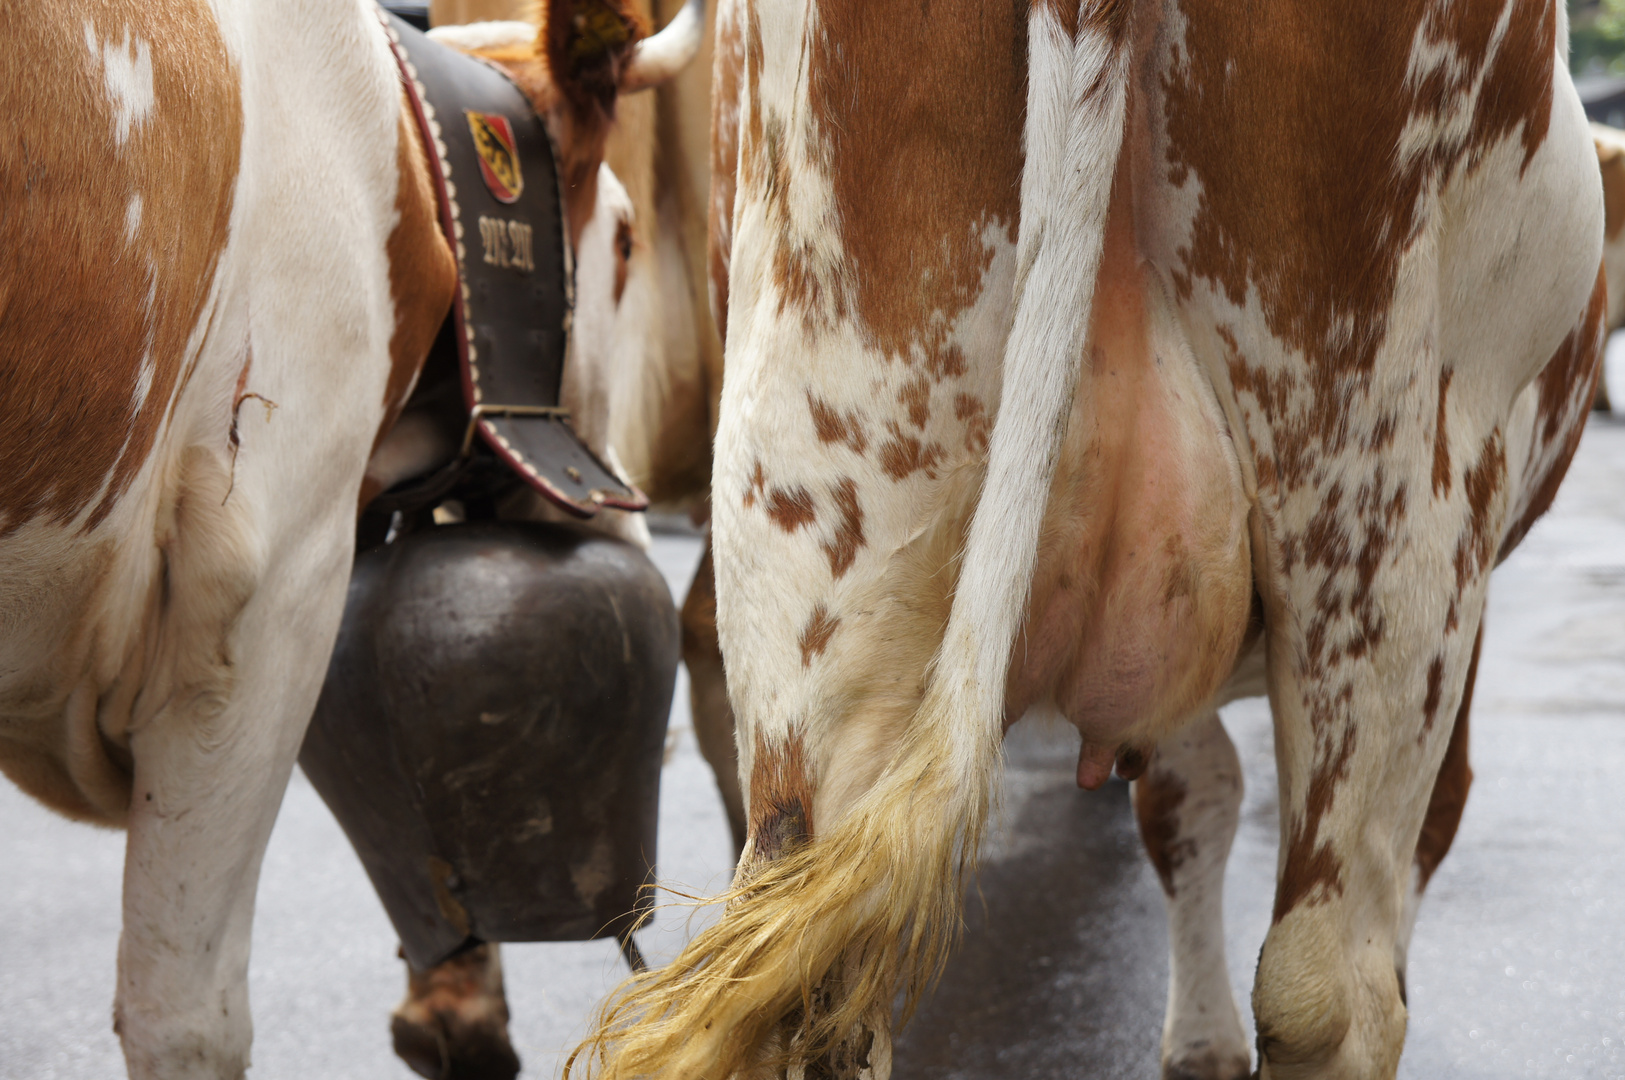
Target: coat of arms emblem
{"x":499,"y":160}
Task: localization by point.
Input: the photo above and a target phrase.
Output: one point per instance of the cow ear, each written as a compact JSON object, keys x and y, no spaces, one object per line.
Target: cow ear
{"x":589,"y":43}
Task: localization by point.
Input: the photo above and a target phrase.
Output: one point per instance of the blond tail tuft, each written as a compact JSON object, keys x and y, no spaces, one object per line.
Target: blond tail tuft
{"x":824,"y":933}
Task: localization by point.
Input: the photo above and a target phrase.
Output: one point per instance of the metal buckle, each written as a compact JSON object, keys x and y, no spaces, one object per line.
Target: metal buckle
{"x":482,"y":410}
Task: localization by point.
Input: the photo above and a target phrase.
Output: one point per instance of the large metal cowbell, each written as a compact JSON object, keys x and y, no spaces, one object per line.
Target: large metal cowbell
{"x":491,"y":732}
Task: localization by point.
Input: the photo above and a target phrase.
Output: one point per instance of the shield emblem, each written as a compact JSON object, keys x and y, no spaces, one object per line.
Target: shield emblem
{"x":499,"y":162}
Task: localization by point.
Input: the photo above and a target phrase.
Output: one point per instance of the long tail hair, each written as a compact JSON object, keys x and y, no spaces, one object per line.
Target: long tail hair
{"x":824,"y":934}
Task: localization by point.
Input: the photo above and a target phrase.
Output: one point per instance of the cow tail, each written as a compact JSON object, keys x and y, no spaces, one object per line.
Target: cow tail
{"x":813,"y":945}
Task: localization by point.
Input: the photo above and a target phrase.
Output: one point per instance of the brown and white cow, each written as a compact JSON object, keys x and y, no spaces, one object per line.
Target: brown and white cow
{"x":1100,"y":357}
{"x":222,"y":270}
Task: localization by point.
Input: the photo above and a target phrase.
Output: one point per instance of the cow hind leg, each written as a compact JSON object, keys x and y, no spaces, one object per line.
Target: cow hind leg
{"x":1188,"y":804}
{"x":213,"y":738}
{"x":1358,"y":764}
{"x":708,"y":695}
{"x":453,"y":1024}
{"x":1445,"y":807}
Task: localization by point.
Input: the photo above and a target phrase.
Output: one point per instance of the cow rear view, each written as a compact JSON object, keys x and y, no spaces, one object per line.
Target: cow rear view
{"x":1115,"y":359}
{"x":215,"y":288}
{"x":223,"y":267}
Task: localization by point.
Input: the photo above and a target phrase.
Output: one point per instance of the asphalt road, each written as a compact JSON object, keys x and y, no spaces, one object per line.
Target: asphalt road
{"x":1518,"y":966}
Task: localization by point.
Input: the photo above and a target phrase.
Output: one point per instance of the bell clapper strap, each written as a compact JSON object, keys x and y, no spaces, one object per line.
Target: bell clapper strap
{"x":482,"y":410}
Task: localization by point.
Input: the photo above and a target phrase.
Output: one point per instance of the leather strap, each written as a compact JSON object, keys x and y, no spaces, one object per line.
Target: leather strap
{"x":502,"y":212}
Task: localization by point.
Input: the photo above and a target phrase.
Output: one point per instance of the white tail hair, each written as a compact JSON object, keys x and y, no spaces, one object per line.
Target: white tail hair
{"x":1076,"y":99}
{"x":812,"y":945}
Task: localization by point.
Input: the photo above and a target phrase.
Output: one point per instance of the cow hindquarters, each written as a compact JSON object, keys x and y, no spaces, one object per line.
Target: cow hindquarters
{"x":1188,"y":803}
{"x":823,"y":931}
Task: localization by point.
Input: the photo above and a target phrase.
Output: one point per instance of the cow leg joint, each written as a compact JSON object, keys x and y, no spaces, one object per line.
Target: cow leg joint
{"x":1188,"y":804}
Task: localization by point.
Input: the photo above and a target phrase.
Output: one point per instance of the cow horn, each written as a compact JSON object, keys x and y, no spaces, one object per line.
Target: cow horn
{"x":660,"y":56}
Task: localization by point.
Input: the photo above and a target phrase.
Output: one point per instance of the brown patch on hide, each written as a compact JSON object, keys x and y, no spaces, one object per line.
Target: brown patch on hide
{"x":816,"y":634}
{"x":422,"y":276}
{"x":113,"y":225}
{"x":1476,"y":545}
{"x":727,"y":66}
{"x":1430,"y":703}
{"x":781,"y":798}
{"x":1441,"y":439}
{"x":1065,"y":14}
{"x":1312,"y":869}
{"x":902,"y":455}
{"x":1571,"y":369}
{"x":1449,"y":796}
{"x":756,"y":487}
{"x":978,"y":427}
{"x":1348,"y":534}
{"x":1306,"y":205}
{"x":790,"y":508}
{"x":1108,"y":17}
{"x":833,"y":426}
{"x":843,"y":548}
{"x":1157,"y":798}
{"x":917,"y":185}
{"x":915,"y":396}
{"x":945,"y":360}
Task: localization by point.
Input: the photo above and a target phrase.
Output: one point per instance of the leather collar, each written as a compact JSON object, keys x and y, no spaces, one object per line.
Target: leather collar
{"x":501,"y":210}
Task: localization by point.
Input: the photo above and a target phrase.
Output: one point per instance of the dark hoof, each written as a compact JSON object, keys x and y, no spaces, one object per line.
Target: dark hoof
{"x":443,"y":1048}
{"x":453,"y":1024}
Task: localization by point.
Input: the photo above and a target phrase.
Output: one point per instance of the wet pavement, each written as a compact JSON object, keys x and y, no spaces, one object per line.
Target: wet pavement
{"x":1517,"y":968}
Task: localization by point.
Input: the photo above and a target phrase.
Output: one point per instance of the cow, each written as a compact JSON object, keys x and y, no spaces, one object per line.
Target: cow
{"x":1111,"y":358}
{"x":1610,"y":143}
{"x":652,"y":412}
{"x":223,"y":270}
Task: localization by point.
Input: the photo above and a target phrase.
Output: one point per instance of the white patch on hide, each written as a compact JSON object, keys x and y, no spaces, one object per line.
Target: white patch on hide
{"x":127,"y":79}
{"x":132,"y":218}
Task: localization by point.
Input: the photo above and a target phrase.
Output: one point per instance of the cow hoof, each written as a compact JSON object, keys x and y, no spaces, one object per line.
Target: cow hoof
{"x":1209,"y":1066}
{"x":443,"y":1047}
{"x":453,"y":1024}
